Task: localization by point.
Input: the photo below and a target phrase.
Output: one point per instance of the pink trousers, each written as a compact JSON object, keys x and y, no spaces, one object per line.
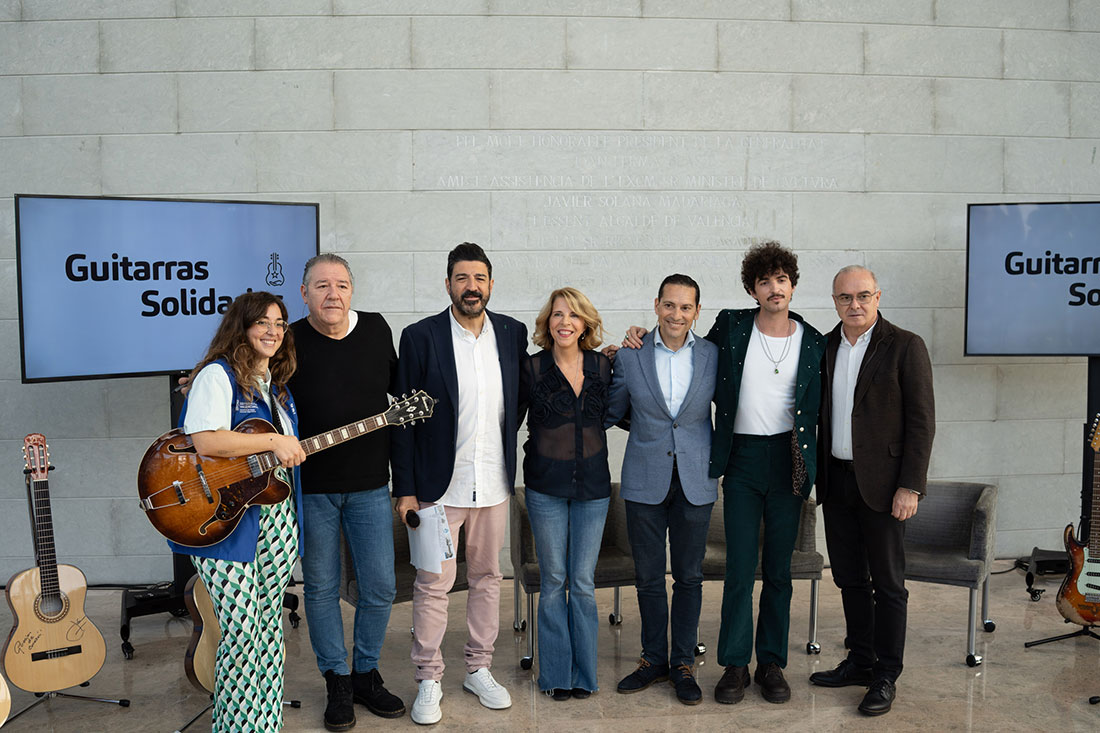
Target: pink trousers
{"x":484,"y":529}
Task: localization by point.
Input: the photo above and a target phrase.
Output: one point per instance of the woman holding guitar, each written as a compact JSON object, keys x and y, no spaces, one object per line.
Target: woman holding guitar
{"x":244,"y":375}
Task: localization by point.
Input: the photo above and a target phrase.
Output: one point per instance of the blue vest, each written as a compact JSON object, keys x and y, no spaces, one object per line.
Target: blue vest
{"x":240,"y":545}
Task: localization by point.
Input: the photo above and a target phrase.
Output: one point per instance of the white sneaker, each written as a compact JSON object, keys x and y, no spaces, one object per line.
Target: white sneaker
{"x":491,"y":694}
{"x":425,"y":709}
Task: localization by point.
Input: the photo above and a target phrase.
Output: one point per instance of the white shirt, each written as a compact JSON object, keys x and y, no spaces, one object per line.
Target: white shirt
{"x":210,"y":401}
{"x":479,"y":473}
{"x":849,"y":357}
{"x":765,"y":402}
{"x":674,"y":370}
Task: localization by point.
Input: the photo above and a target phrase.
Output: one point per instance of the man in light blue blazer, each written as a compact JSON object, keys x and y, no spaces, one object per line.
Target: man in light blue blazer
{"x":667,"y":387}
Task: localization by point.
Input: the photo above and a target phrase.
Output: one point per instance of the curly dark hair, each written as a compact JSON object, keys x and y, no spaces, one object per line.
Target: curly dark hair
{"x":767,"y":258}
{"x":231,"y":343}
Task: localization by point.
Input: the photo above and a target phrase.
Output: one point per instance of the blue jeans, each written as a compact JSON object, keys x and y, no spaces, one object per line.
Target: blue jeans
{"x":367,"y":522}
{"x":686,"y":525}
{"x":567,"y":535}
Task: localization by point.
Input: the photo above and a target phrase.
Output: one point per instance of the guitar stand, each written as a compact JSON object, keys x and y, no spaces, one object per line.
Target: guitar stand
{"x":185,"y":726}
{"x":1083,"y":631}
{"x":44,"y":696}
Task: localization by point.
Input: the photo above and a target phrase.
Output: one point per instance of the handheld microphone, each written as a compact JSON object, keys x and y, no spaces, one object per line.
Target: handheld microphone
{"x":412,"y":519}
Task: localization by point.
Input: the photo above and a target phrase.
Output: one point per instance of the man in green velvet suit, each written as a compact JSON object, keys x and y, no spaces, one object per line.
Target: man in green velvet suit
{"x":767,"y":398}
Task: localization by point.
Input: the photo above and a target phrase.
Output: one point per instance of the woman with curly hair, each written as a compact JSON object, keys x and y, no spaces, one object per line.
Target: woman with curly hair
{"x":568,"y":485}
{"x":243,"y":375}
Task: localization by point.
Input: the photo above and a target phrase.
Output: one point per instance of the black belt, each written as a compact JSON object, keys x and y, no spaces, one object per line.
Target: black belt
{"x":846,"y":465}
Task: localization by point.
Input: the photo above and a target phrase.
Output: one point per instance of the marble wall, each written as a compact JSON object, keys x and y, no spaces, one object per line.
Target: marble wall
{"x":600,"y":144}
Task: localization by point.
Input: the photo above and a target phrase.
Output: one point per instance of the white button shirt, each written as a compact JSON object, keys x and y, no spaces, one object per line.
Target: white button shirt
{"x":849,"y":357}
{"x":479,"y":473}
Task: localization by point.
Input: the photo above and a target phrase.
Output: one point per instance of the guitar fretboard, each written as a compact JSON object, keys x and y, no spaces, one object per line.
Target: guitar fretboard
{"x":43,"y":539}
{"x":341,"y":434}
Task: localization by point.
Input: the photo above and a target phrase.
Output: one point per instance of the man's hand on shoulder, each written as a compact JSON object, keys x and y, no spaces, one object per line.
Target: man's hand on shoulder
{"x":634,"y":336}
{"x":609,"y":351}
{"x":905,"y":504}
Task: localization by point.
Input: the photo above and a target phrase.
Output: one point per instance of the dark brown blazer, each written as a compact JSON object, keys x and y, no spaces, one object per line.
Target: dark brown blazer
{"x":893,"y":416}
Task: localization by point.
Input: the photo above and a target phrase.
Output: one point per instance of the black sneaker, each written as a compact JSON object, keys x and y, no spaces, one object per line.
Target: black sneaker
{"x":773,"y":686}
{"x":369,"y":691}
{"x":339,"y":713}
{"x":687,"y":689}
{"x":644,"y":676}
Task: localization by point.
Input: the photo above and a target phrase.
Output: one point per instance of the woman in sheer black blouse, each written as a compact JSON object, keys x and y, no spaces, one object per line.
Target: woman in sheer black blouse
{"x":565,"y":388}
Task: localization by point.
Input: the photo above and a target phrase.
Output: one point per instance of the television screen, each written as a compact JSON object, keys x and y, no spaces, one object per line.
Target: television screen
{"x":1033,"y":279}
{"x":112,"y":287}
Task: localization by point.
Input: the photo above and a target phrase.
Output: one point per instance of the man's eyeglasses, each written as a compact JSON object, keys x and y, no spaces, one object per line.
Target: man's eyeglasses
{"x":862,"y":298}
{"x":267,"y":325}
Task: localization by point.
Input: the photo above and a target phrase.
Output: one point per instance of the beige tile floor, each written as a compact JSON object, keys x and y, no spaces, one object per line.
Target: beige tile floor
{"x":1044,"y":688}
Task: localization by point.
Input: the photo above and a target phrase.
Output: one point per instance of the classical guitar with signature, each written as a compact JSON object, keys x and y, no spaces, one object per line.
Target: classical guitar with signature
{"x":197,"y":501}
{"x":54,"y":644}
{"x":1079,"y":597}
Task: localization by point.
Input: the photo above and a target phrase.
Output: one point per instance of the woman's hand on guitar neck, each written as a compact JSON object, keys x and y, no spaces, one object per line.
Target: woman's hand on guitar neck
{"x":287,"y":449}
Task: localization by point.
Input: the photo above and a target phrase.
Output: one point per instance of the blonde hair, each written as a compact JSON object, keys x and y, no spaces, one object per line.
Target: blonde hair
{"x":579,"y":303}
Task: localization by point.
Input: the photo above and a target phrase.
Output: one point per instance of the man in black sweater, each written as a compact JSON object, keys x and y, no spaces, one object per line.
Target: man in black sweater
{"x":346,"y":366}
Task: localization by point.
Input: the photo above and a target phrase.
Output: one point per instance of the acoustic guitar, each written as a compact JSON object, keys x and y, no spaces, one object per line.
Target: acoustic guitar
{"x":1079,"y":597}
{"x":197,"y":501}
{"x":5,"y":702}
{"x":53,"y":645}
{"x":202,"y":651}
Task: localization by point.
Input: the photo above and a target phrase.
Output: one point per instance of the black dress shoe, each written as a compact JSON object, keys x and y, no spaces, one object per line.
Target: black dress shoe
{"x":580,"y":693}
{"x":879,"y":698}
{"x":773,"y":686}
{"x":845,"y":675}
{"x":687,"y":689}
{"x":731,"y":688}
{"x":644,"y":676}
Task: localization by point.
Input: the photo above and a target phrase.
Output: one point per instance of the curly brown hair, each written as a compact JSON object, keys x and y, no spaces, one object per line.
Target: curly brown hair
{"x":230,"y":342}
{"x":767,"y":258}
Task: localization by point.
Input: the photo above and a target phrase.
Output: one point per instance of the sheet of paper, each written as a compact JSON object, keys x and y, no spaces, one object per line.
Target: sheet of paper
{"x":430,"y":543}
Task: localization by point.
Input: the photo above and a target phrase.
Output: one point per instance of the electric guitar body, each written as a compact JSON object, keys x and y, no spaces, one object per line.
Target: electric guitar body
{"x":1079,"y":597}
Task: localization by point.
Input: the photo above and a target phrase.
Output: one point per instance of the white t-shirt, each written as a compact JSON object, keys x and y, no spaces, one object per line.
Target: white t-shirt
{"x":210,"y":401}
{"x":765,"y":402}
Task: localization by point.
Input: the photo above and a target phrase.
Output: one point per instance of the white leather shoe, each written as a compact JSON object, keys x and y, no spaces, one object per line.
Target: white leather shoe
{"x":491,"y":694}
{"x":425,"y":709}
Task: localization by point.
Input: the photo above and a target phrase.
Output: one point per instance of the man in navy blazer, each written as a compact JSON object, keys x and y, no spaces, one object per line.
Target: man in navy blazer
{"x":667,"y":386}
{"x":463,"y":458}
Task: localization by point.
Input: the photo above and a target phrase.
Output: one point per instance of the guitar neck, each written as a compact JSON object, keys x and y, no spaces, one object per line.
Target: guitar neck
{"x":328,"y":439}
{"x":1094,"y":514}
{"x":44,"y":551}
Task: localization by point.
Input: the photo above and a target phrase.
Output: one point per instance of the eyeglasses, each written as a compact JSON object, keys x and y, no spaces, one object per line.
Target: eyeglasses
{"x":862,"y":298}
{"x":267,"y":325}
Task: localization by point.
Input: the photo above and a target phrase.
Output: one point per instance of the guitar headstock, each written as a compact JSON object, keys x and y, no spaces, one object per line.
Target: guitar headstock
{"x":36,"y":454}
{"x":417,"y":407}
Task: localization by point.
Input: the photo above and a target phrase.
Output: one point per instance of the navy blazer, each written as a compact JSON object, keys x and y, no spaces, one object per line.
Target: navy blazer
{"x":422,"y":456}
{"x":655,"y":434}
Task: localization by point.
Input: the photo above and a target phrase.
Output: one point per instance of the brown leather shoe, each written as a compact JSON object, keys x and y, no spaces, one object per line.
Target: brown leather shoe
{"x":731,"y":688}
{"x":773,"y":686}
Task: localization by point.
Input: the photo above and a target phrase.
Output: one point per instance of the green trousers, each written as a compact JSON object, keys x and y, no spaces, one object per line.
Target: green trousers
{"x":757,"y":486}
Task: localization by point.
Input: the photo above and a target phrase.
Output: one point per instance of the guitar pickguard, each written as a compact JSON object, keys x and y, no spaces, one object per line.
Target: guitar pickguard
{"x":1088,"y":581}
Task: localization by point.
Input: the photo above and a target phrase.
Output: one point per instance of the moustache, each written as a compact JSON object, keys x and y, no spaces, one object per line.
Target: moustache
{"x":471,"y":294}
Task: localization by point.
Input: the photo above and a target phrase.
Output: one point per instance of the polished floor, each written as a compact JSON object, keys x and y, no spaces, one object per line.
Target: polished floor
{"x":1042,"y":688}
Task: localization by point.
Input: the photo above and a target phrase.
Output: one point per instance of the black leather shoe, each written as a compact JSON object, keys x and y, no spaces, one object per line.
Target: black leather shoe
{"x":339,"y":713}
{"x":559,"y":694}
{"x":772,"y":685}
{"x":731,"y":688}
{"x":846,"y":674}
{"x":687,"y":689}
{"x":644,"y":676}
{"x":370,"y":691}
{"x":581,"y":694}
{"x":879,"y":698}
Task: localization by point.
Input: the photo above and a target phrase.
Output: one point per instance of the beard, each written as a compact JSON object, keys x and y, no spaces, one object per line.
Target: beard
{"x":470,"y":310}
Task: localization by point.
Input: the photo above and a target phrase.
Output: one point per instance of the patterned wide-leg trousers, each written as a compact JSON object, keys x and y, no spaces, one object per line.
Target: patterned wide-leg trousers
{"x":248,"y":598}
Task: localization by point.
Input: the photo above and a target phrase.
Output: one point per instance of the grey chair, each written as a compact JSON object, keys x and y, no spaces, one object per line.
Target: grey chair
{"x":614,"y":565}
{"x":950,"y":541}
{"x":806,"y":562}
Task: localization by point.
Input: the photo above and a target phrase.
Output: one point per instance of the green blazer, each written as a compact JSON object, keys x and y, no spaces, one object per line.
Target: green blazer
{"x":730,"y":333}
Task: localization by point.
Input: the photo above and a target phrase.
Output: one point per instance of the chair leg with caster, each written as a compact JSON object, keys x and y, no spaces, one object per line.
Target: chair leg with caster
{"x":615,"y":618}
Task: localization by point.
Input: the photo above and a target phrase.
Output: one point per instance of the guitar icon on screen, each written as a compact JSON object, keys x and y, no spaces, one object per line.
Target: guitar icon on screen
{"x":274,"y":276}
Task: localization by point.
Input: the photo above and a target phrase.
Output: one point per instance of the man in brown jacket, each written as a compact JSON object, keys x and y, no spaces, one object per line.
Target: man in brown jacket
{"x":875,"y":439}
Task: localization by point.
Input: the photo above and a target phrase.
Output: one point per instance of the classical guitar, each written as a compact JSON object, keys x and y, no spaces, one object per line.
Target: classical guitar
{"x":198,"y":501}
{"x":1079,"y":597}
{"x":202,"y":651}
{"x":53,"y":644}
{"x":5,"y":702}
